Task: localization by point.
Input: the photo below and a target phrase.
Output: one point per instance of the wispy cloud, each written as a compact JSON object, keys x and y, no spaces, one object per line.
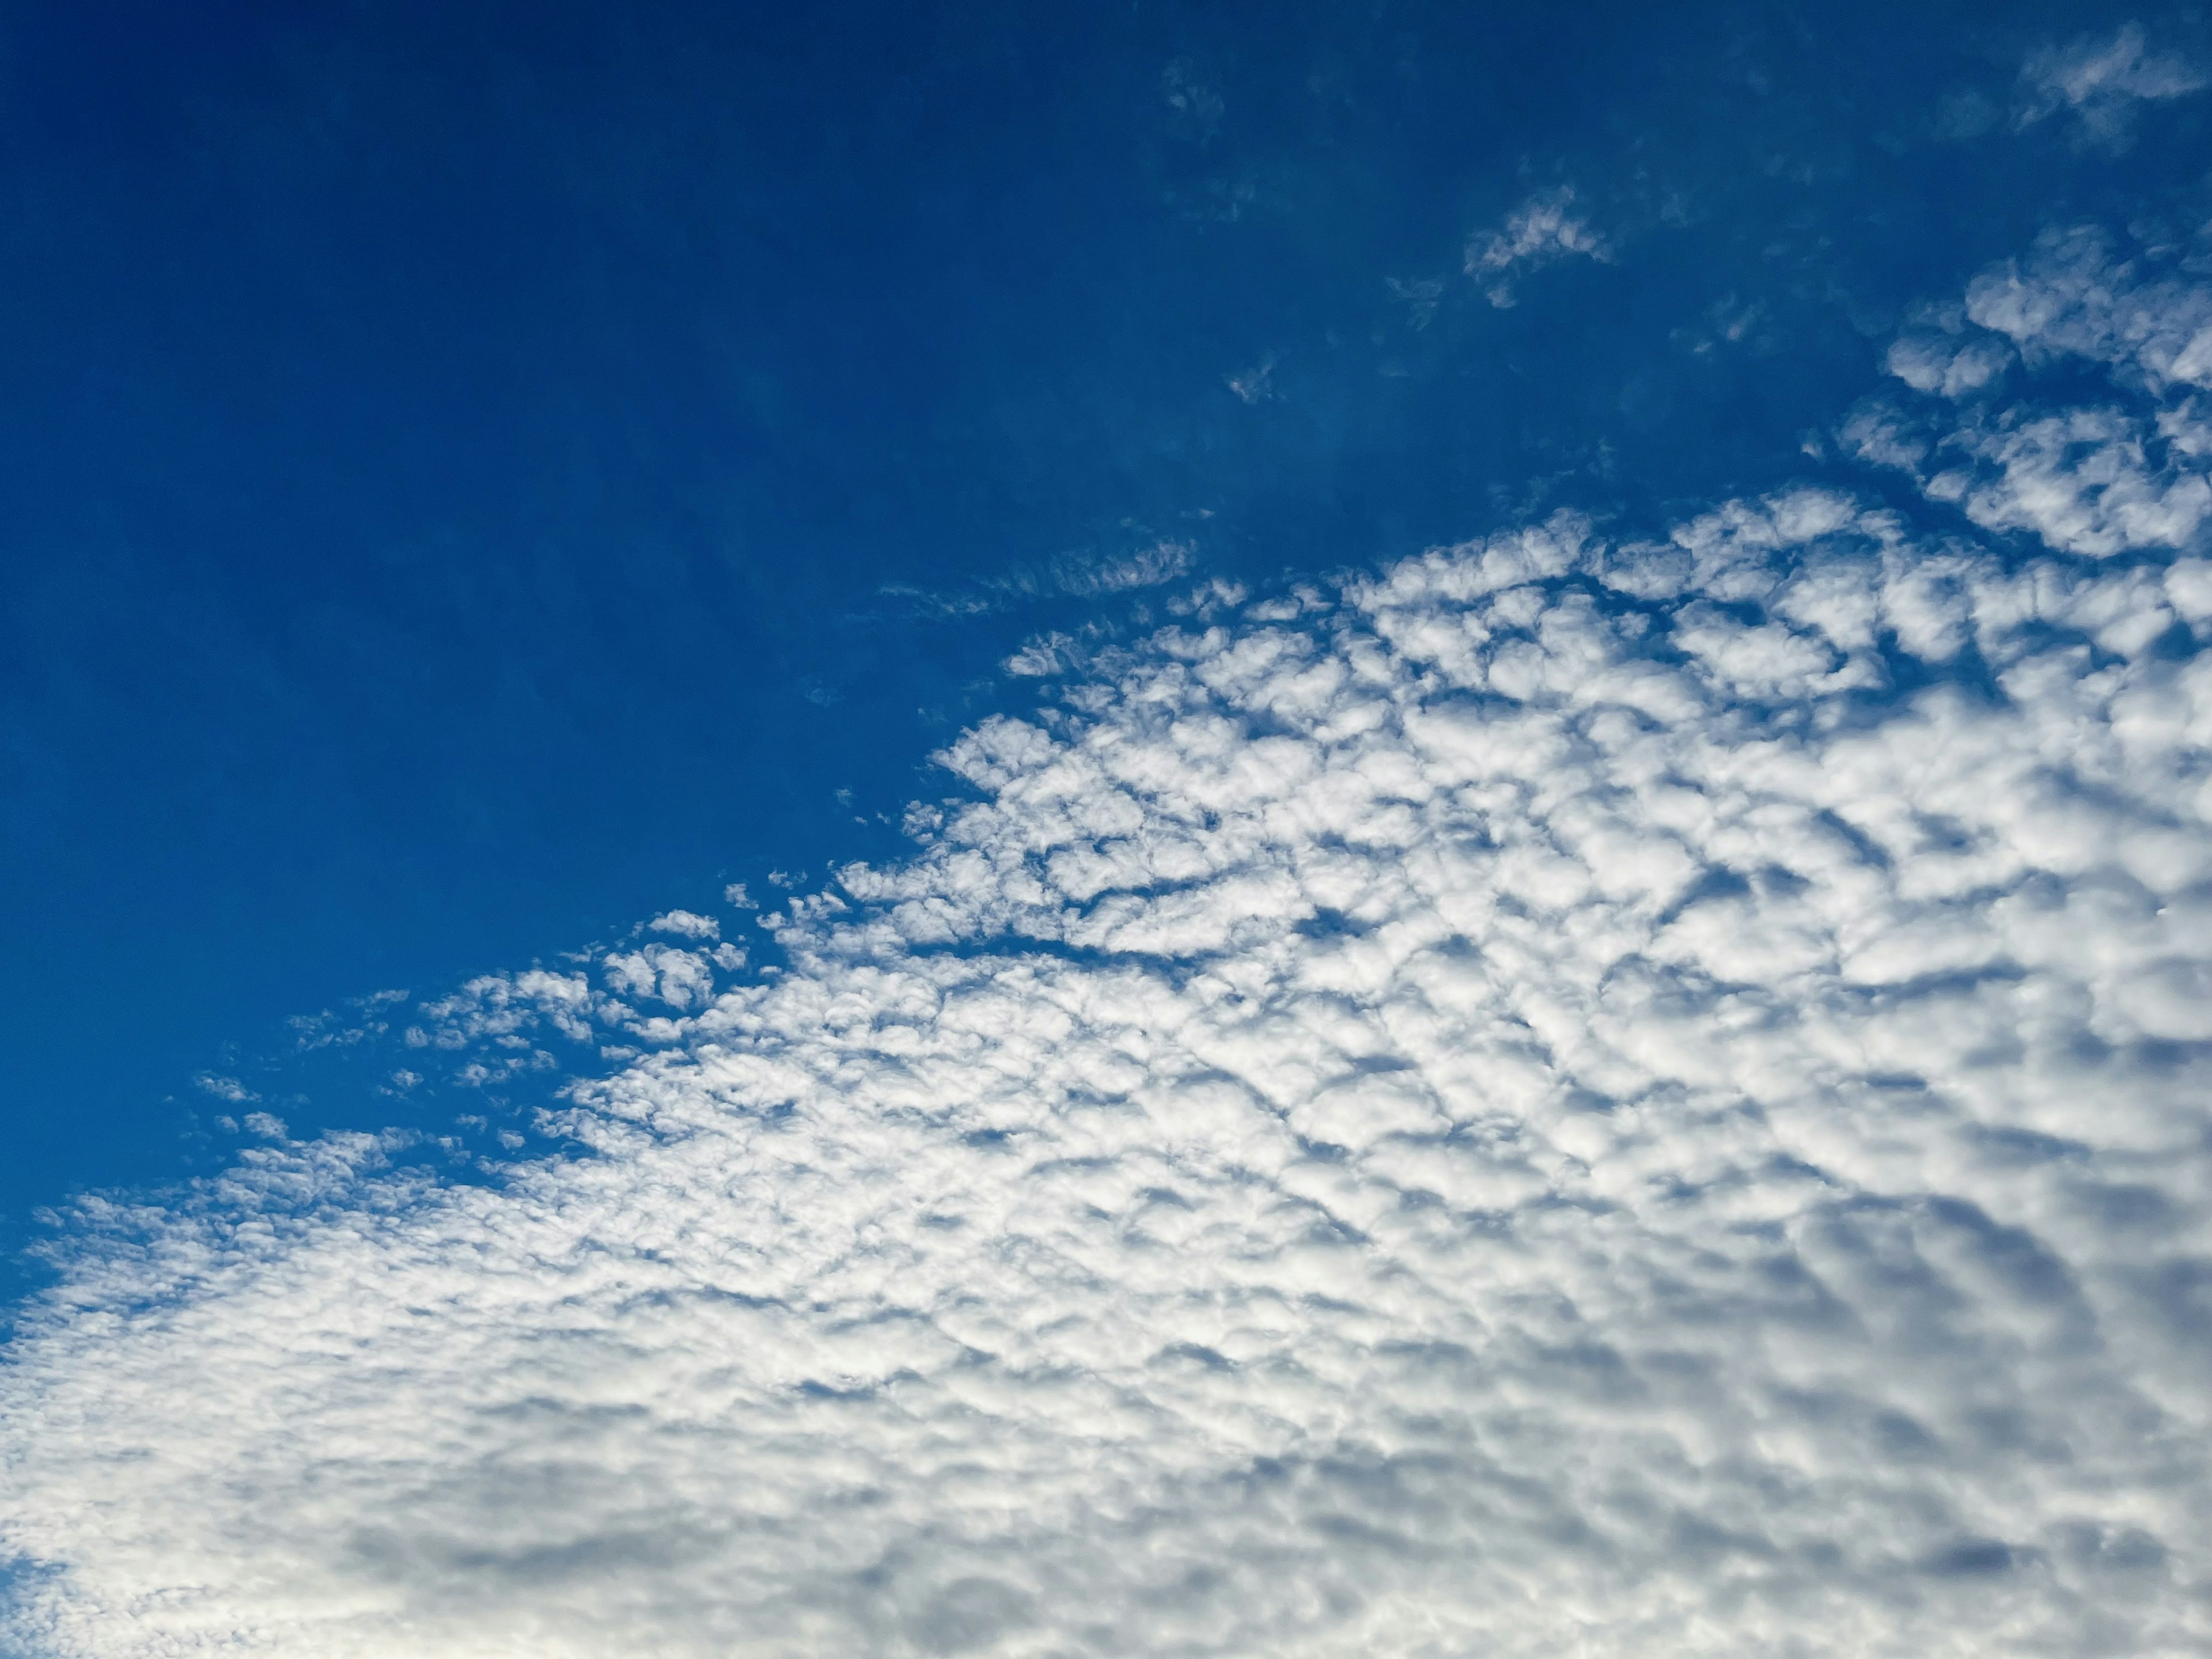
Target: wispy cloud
{"x":1542,"y":1100}
{"x":1255,"y":385}
{"x":1149,"y":564}
{"x":1143,"y":559}
{"x":1195,"y":105}
{"x":2099,"y":82}
{"x":1545,"y":228}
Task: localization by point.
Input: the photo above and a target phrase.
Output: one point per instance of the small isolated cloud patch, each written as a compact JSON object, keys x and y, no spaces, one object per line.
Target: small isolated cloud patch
{"x":1256,"y":384}
{"x":1092,"y":576}
{"x":1420,"y":295}
{"x":687,"y":924}
{"x":1545,"y":229}
{"x":1561,"y":1097}
{"x":1044,"y":654}
{"x":1195,"y":106}
{"x":2099,"y":82}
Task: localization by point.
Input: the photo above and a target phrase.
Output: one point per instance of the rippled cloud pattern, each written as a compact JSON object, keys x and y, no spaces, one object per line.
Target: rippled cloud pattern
{"x":1569,"y":1096}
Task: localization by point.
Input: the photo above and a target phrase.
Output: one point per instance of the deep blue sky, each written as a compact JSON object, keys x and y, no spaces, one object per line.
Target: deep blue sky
{"x":476,"y":475}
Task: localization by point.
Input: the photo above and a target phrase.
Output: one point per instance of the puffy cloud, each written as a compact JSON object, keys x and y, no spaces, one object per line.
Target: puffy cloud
{"x":660,"y":973}
{"x":1563,"y":1096}
{"x":686,"y":924}
{"x":1929,"y":361}
{"x":1543,"y":230}
{"x":2097,"y":480}
{"x":2074,"y":295}
{"x":2100,"y":82}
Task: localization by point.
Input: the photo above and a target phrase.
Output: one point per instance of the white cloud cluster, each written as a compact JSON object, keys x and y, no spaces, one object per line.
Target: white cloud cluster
{"x":1571,"y":1098}
{"x":2116,"y":477}
{"x":2099,"y":82}
{"x":1543,"y":230}
{"x":2073,"y":295}
{"x":686,"y":924}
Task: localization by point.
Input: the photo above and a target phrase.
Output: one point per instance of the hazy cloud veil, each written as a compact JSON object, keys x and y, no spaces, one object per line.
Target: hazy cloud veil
{"x":1567,"y":1097}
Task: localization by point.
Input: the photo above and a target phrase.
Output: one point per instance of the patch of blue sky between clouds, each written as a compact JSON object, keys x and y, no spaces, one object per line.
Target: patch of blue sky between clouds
{"x":1571,"y":1093}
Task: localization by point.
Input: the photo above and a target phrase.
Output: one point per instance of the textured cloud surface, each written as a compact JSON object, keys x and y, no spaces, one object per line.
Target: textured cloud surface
{"x":1566,"y":1098}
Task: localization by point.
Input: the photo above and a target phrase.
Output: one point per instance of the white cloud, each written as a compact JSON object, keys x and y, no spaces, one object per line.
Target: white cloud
{"x":1541,"y":231}
{"x":1255,"y":385}
{"x":1932,"y":360}
{"x":687,"y":924}
{"x":2073,"y":295}
{"x":1042,"y":654}
{"x":2101,"y":480}
{"x":661,"y":973}
{"x":2100,"y":82}
{"x":1092,"y":573}
{"x":2087,"y":480}
{"x":1162,"y":559}
{"x":1534,"y":1105}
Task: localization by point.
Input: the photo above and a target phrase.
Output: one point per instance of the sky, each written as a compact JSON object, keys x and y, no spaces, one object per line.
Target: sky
{"x":1342,"y":829}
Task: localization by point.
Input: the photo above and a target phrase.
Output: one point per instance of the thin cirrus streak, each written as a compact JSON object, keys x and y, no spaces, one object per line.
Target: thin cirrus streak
{"x":1565,"y":1097}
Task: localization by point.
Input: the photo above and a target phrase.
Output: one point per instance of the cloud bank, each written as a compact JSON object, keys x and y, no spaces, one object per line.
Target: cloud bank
{"x":1566,"y":1096}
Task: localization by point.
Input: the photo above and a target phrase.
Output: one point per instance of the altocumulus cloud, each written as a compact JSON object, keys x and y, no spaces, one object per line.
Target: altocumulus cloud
{"x":1566,"y":1096}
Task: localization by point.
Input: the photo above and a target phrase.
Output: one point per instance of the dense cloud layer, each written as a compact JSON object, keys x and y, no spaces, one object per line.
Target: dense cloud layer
{"x":1569,"y":1098}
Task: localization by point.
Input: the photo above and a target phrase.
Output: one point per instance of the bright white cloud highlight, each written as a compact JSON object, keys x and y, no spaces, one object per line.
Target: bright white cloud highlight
{"x":686,"y":924}
{"x":1567,"y":1098}
{"x":2101,"y":480}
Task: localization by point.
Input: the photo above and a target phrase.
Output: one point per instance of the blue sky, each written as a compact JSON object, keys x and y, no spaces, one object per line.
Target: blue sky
{"x":1159,"y":784}
{"x":433,"y":432}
